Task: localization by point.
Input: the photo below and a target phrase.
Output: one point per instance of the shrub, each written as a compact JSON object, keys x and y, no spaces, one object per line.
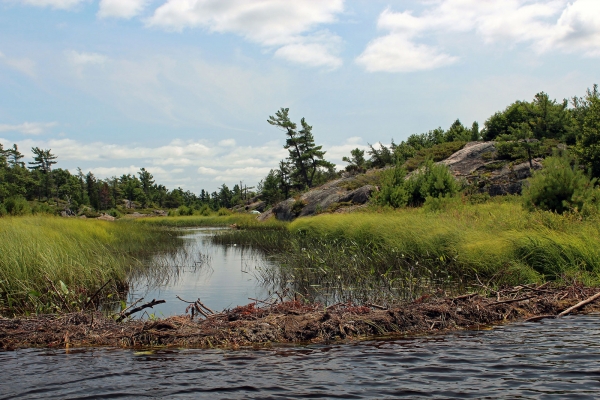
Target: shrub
{"x":43,"y":208}
{"x":184,"y":210}
{"x":223,"y":212}
{"x":3,"y":211}
{"x":113,"y":212}
{"x":17,"y":206}
{"x":560,"y":186}
{"x":204,"y":210}
{"x":298,"y":206}
{"x":432,"y":180}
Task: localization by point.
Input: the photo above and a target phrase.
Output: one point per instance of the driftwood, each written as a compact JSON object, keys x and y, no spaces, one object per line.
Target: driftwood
{"x":140,"y":308}
{"x":579,"y":305}
{"x":512,"y":300}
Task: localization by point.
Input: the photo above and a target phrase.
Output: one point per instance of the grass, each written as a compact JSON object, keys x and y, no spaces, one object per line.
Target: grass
{"x":243,"y":221}
{"x":386,"y":254}
{"x":50,"y":263}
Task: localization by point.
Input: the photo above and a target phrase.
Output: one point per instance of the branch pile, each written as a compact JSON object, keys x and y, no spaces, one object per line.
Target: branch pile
{"x":295,"y":322}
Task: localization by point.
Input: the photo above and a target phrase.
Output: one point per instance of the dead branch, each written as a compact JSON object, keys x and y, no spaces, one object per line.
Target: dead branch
{"x":579,"y":305}
{"x":539,"y":317}
{"x":150,"y":304}
{"x":96,"y":294}
{"x":512,"y":300}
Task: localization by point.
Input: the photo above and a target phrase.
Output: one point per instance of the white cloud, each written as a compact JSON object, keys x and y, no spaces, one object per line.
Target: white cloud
{"x":28,"y":128}
{"x":545,"y":25}
{"x":121,"y":8}
{"x":58,"y":4}
{"x":271,"y":23}
{"x":23,"y":65}
{"x":227,"y":142}
{"x":83,"y":58}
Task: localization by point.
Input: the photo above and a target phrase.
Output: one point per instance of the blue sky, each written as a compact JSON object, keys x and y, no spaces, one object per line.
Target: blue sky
{"x":184,"y":87}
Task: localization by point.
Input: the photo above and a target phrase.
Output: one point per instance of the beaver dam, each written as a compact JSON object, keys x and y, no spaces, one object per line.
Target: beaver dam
{"x":294,"y":322}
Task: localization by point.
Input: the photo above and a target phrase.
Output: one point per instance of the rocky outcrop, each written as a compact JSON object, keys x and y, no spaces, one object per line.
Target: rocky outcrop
{"x":321,"y":199}
{"x":477,"y":163}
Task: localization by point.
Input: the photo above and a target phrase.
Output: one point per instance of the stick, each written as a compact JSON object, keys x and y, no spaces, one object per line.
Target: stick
{"x":512,"y":301}
{"x":465,"y":296}
{"x":539,"y":317}
{"x":199,"y":310}
{"x":376,"y":306}
{"x":185,"y":301}
{"x":62,"y":299}
{"x":96,"y":294}
{"x":203,"y":306}
{"x":130,"y":306}
{"x":261,"y":301}
{"x":140,"y":308}
{"x":579,"y":305}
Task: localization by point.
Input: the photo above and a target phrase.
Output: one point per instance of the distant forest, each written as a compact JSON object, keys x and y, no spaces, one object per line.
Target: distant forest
{"x":524,"y":129}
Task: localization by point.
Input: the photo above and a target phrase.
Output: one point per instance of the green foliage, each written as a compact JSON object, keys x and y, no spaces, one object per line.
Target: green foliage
{"x":183,"y":210}
{"x":588,"y":142}
{"x":305,"y":158}
{"x":560,"y":186}
{"x":356,"y":161}
{"x":17,"y":206}
{"x":546,"y":118}
{"x":436,"y":153}
{"x":223,"y":212}
{"x":432,"y":180}
{"x":297,"y":206}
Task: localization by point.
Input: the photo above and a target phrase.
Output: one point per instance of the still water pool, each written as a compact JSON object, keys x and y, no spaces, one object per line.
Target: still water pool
{"x":553,"y":359}
{"x":221,"y":276}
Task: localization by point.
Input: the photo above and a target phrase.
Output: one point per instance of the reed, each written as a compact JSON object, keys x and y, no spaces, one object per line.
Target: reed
{"x":388,"y":254}
{"x":243,"y":221}
{"x":49,"y":263}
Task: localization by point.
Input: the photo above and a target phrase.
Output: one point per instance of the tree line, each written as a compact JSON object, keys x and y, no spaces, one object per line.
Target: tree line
{"x":523,"y":130}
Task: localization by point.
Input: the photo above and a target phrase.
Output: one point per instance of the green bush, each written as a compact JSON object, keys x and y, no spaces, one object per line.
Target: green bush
{"x":184,"y":210}
{"x":43,"y":208}
{"x":432,"y":180}
{"x":204,"y":210}
{"x":17,"y":206}
{"x":223,"y":212}
{"x":3,"y":211}
{"x":113,"y":212}
{"x":298,"y":206}
{"x":560,"y":186}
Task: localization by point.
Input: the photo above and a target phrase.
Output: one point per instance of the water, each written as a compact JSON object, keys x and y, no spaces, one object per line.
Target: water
{"x":553,"y":359}
{"x":221,"y":276}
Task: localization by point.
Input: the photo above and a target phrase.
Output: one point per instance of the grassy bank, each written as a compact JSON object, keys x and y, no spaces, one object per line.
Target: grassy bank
{"x":382,"y":254}
{"x":49,"y":263}
{"x":244,"y":221}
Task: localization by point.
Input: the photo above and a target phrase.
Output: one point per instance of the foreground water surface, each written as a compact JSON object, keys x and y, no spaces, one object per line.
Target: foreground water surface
{"x":546,"y":360}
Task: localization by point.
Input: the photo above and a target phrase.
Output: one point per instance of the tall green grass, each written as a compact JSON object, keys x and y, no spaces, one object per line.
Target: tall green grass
{"x":243,"y":221}
{"x":49,"y":263}
{"x":387,"y":253}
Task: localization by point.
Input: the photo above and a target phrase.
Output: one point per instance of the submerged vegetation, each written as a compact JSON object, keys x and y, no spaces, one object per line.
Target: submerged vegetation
{"x":50,"y":263}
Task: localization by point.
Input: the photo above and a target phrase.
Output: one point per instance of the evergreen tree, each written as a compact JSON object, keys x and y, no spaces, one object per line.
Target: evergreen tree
{"x":305,"y":157}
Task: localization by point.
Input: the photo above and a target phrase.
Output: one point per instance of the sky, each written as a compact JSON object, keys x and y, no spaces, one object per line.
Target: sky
{"x":184,"y":88}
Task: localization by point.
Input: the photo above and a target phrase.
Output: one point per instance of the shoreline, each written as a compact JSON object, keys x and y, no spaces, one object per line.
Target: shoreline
{"x":291,"y":322}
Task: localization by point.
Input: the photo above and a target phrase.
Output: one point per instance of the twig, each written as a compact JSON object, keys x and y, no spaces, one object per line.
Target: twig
{"x":333,"y":305}
{"x":376,"y":306}
{"x":261,"y":301}
{"x":62,"y":299}
{"x":539,"y":317}
{"x":465,"y":296}
{"x":185,"y":301}
{"x":199,"y":310}
{"x":130,"y":306}
{"x":96,"y":294}
{"x":140,"y":308}
{"x":579,"y":305}
{"x":513,"y":300}
{"x":203,"y":306}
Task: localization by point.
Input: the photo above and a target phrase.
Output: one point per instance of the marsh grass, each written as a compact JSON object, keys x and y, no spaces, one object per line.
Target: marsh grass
{"x":387,"y":254}
{"x":50,"y":263}
{"x":243,"y":221}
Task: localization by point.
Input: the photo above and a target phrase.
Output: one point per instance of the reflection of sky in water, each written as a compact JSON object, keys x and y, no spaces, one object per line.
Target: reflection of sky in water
{"x":221,"y":276}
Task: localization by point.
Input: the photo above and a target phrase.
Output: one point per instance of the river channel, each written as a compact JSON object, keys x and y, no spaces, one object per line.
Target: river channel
{"x":551,"y":359}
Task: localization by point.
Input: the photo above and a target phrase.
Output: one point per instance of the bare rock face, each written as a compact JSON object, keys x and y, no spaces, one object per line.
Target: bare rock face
{"x":470,"y":158}
{"x":319,"y":200}
{"x":106,"y":217}
{"x":477,"y":164}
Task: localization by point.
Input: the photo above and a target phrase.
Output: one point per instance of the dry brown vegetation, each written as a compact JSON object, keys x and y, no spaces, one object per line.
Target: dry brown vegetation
{"x":294,"y":322}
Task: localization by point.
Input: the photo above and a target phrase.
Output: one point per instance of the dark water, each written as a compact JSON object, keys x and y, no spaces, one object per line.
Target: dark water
{"x":221,"y":276}
{"x":554,"y":359}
